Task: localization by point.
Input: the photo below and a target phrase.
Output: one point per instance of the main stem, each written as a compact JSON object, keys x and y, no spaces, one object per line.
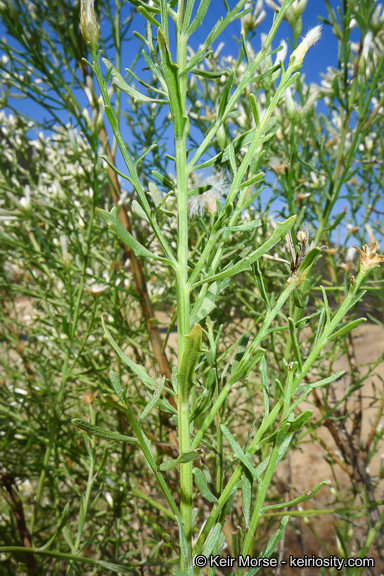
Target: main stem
{"x":182,"y":285}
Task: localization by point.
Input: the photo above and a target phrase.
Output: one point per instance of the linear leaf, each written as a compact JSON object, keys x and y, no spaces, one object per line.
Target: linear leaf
{"x":120,"y":83}
{"x":299,"y":499}
{"x":243,"y":227}
{"x":138,"y":210}
{"x":200,"y":15}
{"x":212,"y":540}
{"x":112,"y":219}
{"x":140,"y":371}
{"x":101,"y":433}
{"x":299,"y":422}
{"x":246,"y":488}
{"x":281,"y":229}
{"x":202,"y":485}
{"x":347,"y":328}
{"x":182,"y":459}
{"x":238,"y":452}
{"x":270,"y":547}
{"x":260,"y":283}
{"x":117,"y":386}
{"x":185,"y":549}
{"x":153,"y":401}
{"x":295,"y":342}
{"x":322,"y":382}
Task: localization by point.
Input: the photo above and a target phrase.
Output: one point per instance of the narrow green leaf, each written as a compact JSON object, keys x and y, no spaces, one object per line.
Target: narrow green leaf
{"x":347,"y":328}
{"x":224,"y":98}
{"x":304,"y":321}
{"x":281,"y":229}
{"x":260,"y":283}
{"x":323,"y":382}
{"x":299,"y":499}
{"x":297,"y":299}
{"x":148,"y":16}
{"x":237,"y":542}
{"x":182,"y":459}
{"x":211,"y":74}
{"x":196,"y":58}
{"x":185,"y":550}
{"x":247,"y":227}
{"x":155,"y":194}
{"x":270,"y":547}
{"x":257,"y":178}
{"x":155,"y":69}
{"x":59,"y":528}
{"x":120,"y":83}
{"x":202,"y":485}
{"x":246,"y":488}
{"x":240,"y":142}
{"x":321,"y":325}
{"x":139,"y":211}
{"x":255,"y":110}
{"x":100,"y":432}
{"x":232,"y":159}
{"x":114,"y":567}
{"x":111,"y":117}
{"x":171,"y":75}
{"x":241,"y":348}
{"x":140,"y":371}
{"x":295,"y":343}
{"x":207,"y":305}
{"x":308,"y":260}
{"x":112,"y":219}
{"x":113,"y":167}
{"x":355,"y":299}
{"x":326,"y":305}
{"x":117,"y":387}
{"x":212,"y":540}
{"x":200,"y":15}
{"x":238,"y":452}
{"x":153,"y":401}
{"x":264,"y":381}
{"x":299,"y":422}
{"x":163,"y":180}
{"x":249,"y":362}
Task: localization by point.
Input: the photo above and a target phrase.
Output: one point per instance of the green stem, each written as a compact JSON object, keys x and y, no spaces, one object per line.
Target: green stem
{"x":252,"y":449}
{"x":255,"y":343}
{"x":182,"y":285}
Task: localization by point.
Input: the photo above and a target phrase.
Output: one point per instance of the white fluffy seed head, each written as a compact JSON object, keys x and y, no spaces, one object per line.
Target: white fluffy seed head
{"x":200,"y":203}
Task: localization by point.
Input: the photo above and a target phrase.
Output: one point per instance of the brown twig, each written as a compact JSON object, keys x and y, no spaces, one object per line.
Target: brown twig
{"x":9,"y":489}
{"x":137,"y":270}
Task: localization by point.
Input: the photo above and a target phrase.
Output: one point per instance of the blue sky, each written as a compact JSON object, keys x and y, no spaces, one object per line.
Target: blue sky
{"x":316,"y":61}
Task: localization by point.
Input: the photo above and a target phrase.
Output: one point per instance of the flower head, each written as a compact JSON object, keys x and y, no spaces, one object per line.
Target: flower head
{"x":368,"y":256}
{"x":88,"y":23}
{"x":96,"y":289}
{"x":312,"y":36}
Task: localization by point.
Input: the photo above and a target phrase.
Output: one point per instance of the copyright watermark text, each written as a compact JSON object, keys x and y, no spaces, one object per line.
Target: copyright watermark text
{"x":293,"y":562}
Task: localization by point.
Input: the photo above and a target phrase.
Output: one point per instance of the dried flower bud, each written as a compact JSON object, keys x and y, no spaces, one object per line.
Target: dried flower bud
{"x":313,"y":35}
{"x":303,"y":236}
{"x":368,"y":256}
{"x":88,"y":23}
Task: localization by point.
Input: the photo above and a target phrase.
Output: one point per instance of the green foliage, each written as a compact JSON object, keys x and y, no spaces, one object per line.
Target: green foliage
{"x":139,"y":472}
